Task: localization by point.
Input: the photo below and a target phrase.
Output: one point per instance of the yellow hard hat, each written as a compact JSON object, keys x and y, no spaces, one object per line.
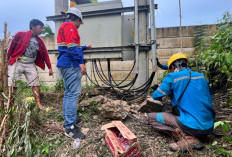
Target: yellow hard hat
{"x":174,"y":57}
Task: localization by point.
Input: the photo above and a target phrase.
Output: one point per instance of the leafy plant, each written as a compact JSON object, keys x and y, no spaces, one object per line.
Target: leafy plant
{"x":47,"y":31}
{"x":223,"y":150}
{"x":200,"y":33}
{"x":21,"y":136}
{"x":227,"y":128}
{"x":47,"y":147}
{"x":59,"y":86}
{"x":215,"y":59}
{"x":88,"y":112}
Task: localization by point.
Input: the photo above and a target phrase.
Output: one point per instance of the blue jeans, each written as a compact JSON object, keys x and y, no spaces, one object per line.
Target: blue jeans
{"x":72,"y":81}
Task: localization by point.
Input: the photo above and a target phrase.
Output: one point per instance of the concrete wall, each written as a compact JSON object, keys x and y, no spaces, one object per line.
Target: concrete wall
{"x":169,"y":41}
{"x":43,"y":74}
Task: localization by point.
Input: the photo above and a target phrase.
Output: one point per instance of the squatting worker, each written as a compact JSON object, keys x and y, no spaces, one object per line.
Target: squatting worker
{"x":71,"y":66}
{"x":192,"y":116}
{"x":26,"y":50}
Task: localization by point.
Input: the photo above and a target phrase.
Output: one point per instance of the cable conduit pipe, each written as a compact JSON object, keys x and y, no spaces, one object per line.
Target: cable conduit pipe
{"x":153,"y":36}
{"x":136,"y":36}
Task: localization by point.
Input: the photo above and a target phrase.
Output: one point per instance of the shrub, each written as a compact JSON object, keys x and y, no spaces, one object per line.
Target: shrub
{"x":215,"y":60}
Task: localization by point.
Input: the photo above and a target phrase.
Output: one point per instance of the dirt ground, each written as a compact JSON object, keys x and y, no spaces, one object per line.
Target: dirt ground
{"x":153,"y":143}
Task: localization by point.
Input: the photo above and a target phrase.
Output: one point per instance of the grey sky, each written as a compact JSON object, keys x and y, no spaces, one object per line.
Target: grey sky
{"x":18,"y":13}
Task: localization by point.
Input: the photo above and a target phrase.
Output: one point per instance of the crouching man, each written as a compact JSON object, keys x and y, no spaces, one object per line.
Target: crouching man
{"x":192,"y":116}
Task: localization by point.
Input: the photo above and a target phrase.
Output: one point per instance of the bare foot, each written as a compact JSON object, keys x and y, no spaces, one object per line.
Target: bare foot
{"x":41,"y":107}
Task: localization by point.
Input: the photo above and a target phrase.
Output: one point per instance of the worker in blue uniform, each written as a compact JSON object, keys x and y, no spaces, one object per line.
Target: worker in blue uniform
{"x":192,"y":116}
{"x":162,"y":66}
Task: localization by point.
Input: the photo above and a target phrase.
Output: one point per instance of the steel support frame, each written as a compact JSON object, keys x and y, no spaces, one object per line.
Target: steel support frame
{"x":143,"y":58}
{"x":108,"y":52}
{"x":103,"y":12}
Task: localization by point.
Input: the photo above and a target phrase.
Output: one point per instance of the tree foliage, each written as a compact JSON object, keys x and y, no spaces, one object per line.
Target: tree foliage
{"x":215,"y":59}
{"x":47,"y":31}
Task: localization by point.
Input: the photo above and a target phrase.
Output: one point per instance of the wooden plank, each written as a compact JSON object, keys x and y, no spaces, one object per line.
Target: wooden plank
{"x":4,"y":59}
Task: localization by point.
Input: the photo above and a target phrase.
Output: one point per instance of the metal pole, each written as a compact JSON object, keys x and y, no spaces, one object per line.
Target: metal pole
{"x":136,"y":37}
{"x":143,"y":56}
{"x":5,"y":63}
{"x":181,"y":39}
{"x":153,"y":36}
{"x":148,"y":28}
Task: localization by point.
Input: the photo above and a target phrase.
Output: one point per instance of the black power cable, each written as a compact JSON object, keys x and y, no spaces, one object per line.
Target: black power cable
{"x":107,"y":82}
{"x":115,"y":84}
{"x":120,"y":91}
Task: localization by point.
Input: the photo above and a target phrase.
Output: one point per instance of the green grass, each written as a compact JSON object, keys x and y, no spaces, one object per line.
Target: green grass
{"x":87,"y":113}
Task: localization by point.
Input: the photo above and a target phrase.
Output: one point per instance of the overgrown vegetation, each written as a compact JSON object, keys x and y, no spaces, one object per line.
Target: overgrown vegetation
{"x":214,"y":59}
{"x":47,"y":31}
{"x":200,"y":33}
{"x":214,"y":56}
{"x":88,"y":112}
{"x":59,"y":86}
{"x":223,"y":149}
{"x":21,"y":136}
{"x":26,"y":136}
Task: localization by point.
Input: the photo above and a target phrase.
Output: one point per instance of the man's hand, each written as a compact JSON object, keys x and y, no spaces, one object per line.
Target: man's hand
{"x":83,"y":69}
{"x":154,"y":87}
{"x":151,"y":100}
{"x":158,"y":63}
{"x":89,"y":46}
{"x":51,"y":72}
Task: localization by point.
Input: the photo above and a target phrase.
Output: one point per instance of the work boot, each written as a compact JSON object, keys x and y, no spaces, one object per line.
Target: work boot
{"x":178,"y":134}
{"x":186,"y":142}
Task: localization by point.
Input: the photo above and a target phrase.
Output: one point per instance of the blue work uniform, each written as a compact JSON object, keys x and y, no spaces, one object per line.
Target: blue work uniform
{"x":164,"y":67}
{"x":195,"y":106}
